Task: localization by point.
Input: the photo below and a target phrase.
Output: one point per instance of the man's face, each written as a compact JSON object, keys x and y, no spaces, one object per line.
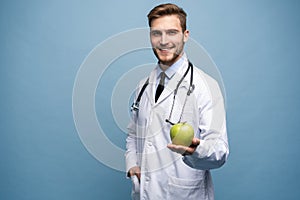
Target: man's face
{"x":167,"y":39}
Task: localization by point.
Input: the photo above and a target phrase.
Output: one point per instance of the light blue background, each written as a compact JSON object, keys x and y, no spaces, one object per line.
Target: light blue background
{"x":43,"y":43}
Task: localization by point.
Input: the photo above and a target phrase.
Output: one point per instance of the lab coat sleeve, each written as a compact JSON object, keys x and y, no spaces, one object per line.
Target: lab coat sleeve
{"x":213,"y":150}
{"x":131,"y":155}
{"x":131,"y":148}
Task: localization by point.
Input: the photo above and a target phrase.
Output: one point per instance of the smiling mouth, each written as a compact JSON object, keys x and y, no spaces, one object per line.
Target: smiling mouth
{"x":165,"y":50}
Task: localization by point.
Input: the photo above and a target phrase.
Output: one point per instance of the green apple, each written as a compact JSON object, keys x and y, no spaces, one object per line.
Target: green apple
{"x":182,"y":134}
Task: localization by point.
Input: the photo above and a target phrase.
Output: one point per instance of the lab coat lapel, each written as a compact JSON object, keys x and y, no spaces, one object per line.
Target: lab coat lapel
{"x":151,"y":91}
{"x":172,"y":84}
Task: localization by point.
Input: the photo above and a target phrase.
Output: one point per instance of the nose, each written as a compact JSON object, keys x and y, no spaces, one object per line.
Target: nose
{"x":163,"y":39}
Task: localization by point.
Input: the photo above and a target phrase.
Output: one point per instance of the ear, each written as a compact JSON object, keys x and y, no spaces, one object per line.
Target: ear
{"x":186,"y":35}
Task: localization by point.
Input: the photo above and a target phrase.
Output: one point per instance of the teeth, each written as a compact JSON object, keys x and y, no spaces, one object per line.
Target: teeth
{"x":164,"y":49}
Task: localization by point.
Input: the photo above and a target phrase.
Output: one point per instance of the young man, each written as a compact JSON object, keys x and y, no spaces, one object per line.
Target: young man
{"x":176,"y":91}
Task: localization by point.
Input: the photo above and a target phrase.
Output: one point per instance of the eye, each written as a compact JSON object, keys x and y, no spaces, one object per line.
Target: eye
{"x":156,"y":33}
{"x":172,"y":32}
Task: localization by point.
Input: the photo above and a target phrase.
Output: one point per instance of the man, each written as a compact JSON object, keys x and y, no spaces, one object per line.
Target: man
{"x":176,"y":91}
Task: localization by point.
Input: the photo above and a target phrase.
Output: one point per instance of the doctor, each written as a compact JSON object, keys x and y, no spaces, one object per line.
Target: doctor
{"x":159,"y":169}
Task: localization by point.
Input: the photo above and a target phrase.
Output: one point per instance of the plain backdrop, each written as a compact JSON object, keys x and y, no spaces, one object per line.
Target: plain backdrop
{"x":255,"y":45}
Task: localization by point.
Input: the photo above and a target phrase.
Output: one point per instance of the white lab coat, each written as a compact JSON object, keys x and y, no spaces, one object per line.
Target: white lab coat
{"x":165,"y":174}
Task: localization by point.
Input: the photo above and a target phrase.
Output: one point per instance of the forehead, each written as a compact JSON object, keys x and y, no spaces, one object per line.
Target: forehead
{"x":166,"y":22}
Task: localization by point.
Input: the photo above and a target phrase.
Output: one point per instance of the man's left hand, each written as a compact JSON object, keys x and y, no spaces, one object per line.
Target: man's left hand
{"x":184,"y":150}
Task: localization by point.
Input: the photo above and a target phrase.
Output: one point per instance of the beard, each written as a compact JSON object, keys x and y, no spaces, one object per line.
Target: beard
{"x":170,"y":57}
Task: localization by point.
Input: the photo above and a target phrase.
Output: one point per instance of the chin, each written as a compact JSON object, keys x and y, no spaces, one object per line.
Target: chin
{"x":167,"y":60}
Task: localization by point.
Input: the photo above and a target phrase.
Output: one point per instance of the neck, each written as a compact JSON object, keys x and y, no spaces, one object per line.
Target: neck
{"x":165,"y":65}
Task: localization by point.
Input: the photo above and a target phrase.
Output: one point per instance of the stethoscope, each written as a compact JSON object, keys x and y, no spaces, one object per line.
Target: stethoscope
{"x":135,"y":105}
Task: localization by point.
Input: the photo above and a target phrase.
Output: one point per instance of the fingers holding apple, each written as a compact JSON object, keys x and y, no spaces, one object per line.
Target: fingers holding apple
{"x":185,"y":150}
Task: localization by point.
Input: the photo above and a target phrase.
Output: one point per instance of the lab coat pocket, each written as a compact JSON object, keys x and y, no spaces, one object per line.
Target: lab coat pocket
{"x":185,"y":189}
{"x":135,"y":193}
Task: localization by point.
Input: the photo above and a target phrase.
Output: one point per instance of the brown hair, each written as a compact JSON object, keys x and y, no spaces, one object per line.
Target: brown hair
{"x":168,"y":9}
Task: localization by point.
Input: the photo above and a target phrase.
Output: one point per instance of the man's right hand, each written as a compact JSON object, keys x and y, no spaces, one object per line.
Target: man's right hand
{"x":135,"y":171}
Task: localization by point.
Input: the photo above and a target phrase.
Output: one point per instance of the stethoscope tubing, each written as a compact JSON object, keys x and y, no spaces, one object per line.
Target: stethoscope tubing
{"x":135,"y":105}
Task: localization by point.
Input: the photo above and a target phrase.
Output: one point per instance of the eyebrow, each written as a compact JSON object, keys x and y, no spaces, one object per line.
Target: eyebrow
{"x":171,"y":29}
{"x":166,"y":30}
